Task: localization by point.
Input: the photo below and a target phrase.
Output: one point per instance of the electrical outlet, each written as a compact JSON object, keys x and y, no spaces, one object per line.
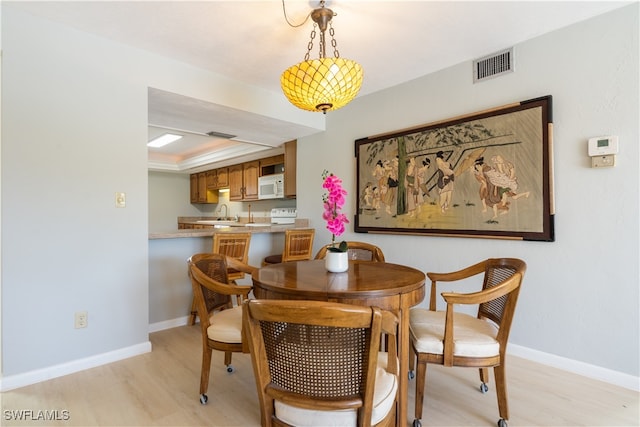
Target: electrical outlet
{"x":82,"y":319}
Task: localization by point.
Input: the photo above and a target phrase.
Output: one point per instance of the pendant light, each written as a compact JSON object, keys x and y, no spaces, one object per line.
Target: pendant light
{"x":326,"y":83}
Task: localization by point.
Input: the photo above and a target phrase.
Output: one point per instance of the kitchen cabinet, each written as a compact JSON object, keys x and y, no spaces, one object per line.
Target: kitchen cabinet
{"x":217,"y":178}
{"x":272,"y":165}
{"x":194,"y":187}
{"x":243,"y":181}
{"x":290,"y":155}
{"x":212,"y":180}
{"x":199,"y":191}
{"x":222,"y":175}
{"x":202,"y":187}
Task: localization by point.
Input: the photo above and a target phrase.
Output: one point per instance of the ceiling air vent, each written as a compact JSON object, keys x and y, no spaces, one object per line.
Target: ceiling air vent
{"x":221,"y":135}
{"x":493,"y":65}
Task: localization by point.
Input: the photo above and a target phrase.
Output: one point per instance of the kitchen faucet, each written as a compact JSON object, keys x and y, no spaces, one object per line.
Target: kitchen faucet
{"x":226,"y":210}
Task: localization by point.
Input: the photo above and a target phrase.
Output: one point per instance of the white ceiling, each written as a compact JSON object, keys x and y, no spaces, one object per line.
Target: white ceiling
{"x":250,"y":41}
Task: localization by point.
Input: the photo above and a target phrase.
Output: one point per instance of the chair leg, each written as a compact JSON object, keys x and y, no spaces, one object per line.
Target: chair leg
{"x":412,"y":358}
{"x":484,"y":375}
{"x":501,"y":391}
{"x":206,"y":368}
{"x":227,"y":361}
{"x":193,"y":314}
{"x":421,"y":380}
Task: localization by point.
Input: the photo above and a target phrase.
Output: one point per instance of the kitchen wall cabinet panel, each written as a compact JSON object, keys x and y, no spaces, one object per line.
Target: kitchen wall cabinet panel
{"x":250,"y":174}
{"x":243,"y":181}
{"x":272,"y":165}
{"x":235,"y":183}
{"x":200,"y":193}
{"x":222,"y":175}
{"x":290,"y":154}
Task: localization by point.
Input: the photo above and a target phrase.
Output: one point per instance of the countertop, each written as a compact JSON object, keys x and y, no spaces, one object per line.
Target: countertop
{"x":209,"y":232}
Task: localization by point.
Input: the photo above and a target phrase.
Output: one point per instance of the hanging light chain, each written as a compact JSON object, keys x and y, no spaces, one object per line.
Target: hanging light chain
{"x":310,"y":45}
{"x":334,"y":44}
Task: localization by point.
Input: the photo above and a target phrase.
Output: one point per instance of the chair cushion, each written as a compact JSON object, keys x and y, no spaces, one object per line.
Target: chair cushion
{"x":273,"y":259}
{"x":472,"y":337}
{"x":384,"y":397}
{"x":226,"y":325}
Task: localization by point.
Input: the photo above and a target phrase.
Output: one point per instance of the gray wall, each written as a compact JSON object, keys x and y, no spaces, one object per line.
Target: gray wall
{"x":580,"y":294}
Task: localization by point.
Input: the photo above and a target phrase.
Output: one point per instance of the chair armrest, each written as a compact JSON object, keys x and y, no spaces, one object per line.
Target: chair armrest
{"x":485,"y":295}
{"x":473,"y":298}
{"x":241,"y":266}
{"x":451,"y":277}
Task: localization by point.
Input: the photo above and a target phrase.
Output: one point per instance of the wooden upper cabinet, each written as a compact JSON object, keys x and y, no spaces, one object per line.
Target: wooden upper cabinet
{"x":272,"y":165}
{"x":251,"y":171}
{"x":243,"y":181}
{"x":290,"y":156}
{"x":194,"y":187}
{"x":236,"y":185}
{"x":202,"y":187}
{"x":223,"y":177}
{"x":212,"y":180}
{"x":200,"y":192}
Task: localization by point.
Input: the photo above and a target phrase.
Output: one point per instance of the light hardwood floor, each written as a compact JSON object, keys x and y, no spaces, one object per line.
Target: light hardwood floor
{"x":161,"y":389}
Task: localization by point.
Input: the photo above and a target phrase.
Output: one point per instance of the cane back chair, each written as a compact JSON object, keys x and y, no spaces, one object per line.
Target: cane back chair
{"x":220,"y":318}
{"x":359,"y":251}
{"x":318,"y":363}
{"x":453,"y":338}
{"x":234,"y":245}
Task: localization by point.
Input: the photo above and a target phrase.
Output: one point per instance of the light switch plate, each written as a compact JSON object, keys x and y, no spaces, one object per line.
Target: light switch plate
{"x":121,"y":200}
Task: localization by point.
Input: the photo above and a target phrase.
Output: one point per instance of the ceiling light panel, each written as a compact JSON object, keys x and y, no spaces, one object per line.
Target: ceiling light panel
{"x":163,"y":140}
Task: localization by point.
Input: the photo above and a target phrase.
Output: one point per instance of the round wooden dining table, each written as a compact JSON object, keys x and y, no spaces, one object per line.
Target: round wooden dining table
{"x":392,"y":287}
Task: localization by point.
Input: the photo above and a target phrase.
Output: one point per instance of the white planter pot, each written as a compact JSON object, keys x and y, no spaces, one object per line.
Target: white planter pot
{"x":336,"y":262}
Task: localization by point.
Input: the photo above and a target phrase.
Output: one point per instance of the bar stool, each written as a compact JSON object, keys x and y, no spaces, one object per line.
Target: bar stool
{"x":298,"y":245}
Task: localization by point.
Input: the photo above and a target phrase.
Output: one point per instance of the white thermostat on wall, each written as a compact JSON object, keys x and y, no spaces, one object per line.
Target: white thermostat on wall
{"x":603,"y":145}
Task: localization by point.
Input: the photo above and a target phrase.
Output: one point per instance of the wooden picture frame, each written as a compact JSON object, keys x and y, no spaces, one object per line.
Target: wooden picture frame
{"x":487,"y":174}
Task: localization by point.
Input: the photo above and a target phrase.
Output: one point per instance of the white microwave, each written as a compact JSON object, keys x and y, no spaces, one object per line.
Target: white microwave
{"x":271,"y":186}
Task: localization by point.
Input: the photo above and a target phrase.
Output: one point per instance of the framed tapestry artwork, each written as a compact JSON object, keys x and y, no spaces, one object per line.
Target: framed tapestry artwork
{"x":488,"y":174}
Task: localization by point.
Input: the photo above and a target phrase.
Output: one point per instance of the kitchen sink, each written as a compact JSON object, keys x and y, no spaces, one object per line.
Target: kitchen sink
{"x":230,"y":223}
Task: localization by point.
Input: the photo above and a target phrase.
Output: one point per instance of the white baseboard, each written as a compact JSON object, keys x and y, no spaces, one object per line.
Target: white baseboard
{"x":168,"y":324}
{"x":21,"y":380}
{"x":590,"y":371}
{"x":574,"y":366}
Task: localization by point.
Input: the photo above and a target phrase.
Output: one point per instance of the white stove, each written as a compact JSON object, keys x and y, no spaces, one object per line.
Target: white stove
{"x":283,"y":215}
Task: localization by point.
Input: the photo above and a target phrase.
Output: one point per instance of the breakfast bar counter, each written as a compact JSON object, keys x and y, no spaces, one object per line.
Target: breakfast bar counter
{"x":209,"y":232}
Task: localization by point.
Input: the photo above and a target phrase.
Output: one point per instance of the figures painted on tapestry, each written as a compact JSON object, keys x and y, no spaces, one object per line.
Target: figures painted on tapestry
{"x":483,"y":174}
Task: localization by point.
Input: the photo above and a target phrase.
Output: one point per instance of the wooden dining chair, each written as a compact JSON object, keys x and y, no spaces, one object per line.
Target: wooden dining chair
{"x":298,"y":246}
{"x":359,"y":251}
{"x":220,"y":318}
{"x":234,"y":245}
{"x":318,"y":363}
{"x":452,"y":338}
